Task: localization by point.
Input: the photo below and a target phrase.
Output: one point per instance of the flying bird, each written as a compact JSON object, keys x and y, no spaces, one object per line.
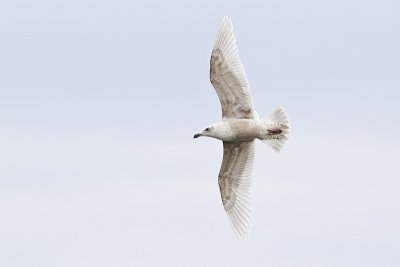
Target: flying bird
{"x":238,"y":129}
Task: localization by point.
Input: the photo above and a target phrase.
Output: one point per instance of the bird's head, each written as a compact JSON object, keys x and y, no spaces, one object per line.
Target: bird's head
{"x":206,"y":132}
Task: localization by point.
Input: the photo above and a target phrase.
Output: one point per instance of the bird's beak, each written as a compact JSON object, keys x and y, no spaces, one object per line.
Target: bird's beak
{"x":197,"y":135}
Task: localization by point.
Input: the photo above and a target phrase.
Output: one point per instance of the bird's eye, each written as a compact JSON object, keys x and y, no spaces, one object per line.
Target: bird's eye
{"x":207,"y":129}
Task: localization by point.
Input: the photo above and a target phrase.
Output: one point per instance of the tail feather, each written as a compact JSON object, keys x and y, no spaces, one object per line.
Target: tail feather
{"x":278,"y":115}
{"x":277,"y":129}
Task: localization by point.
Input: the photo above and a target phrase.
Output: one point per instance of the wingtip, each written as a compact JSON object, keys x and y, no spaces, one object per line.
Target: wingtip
{"x":244,"y":235}
{"x":242,"y":231}
{"x":240,"y":219}
{"x":226,"y":19}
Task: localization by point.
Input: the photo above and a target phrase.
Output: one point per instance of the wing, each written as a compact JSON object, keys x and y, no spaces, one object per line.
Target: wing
{"x":228,"y":77}
{"x":234,"y":183}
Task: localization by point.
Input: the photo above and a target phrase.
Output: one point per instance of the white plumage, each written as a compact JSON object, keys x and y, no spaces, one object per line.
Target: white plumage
{"x":238,"y":129}
{"x":228,"y":77}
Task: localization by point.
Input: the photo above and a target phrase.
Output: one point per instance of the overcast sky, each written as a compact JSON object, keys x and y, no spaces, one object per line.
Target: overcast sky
{"x":99,"y":101}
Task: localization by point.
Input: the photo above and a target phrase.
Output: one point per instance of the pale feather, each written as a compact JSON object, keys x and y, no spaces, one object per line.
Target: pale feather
{"x":234,"y":182}
{"x":228,"y":77}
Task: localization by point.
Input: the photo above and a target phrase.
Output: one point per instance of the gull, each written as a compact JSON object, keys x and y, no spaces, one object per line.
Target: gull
{"x":238,"y":129}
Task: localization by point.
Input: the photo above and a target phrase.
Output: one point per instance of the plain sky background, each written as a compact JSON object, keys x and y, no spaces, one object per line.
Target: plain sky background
{"x":99,"y":101}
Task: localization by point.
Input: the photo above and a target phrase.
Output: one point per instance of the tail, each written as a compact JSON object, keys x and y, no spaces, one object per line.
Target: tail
{"x":276,"y":129}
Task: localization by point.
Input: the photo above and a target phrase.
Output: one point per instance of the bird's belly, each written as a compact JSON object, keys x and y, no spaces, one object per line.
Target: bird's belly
{"x":244,"y":130}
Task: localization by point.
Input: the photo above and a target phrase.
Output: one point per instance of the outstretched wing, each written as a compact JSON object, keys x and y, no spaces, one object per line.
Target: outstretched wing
{"x":234,"y":183}
{"x":228,"y":77}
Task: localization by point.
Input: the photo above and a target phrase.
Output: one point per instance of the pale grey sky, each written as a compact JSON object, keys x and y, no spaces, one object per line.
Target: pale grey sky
{"x":99,"y":101}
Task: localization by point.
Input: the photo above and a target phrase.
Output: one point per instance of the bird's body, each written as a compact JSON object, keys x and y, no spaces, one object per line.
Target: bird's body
{"x":238,"y":129}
